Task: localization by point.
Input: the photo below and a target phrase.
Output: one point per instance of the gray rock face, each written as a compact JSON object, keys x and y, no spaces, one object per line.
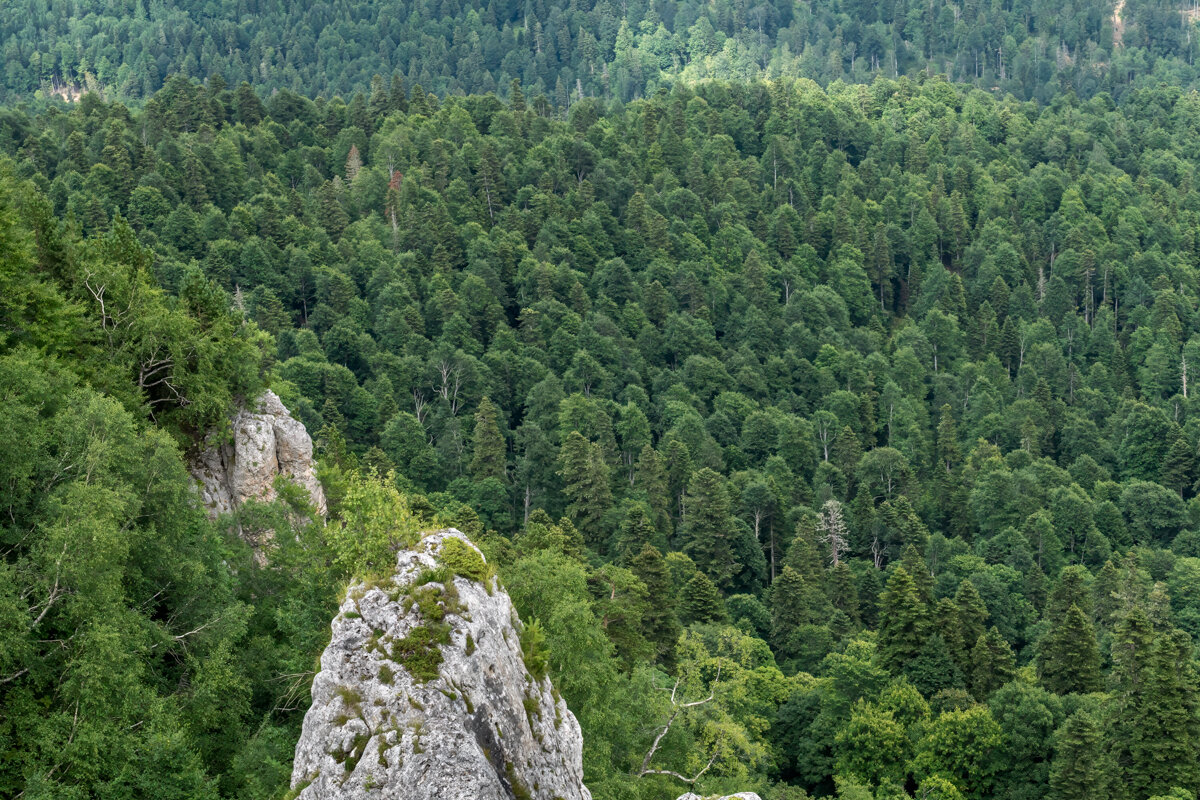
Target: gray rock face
{"x":390,"y":720}
{"x":738,"y":796}
{"x":267,"y":441}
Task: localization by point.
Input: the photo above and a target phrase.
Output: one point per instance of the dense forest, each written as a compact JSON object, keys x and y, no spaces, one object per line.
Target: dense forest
{"x":593,"y":48}
{"x":864,"y":409}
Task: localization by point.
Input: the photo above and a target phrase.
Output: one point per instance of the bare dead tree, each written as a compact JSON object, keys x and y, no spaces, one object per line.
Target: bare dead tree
{"x":679,"y":708}
{"x":833,"y":530}
{"x":420,"y":405}
{"x":451,"y":377}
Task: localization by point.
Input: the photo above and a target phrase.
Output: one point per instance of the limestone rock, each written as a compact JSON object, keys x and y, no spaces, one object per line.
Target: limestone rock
{"x":738,"y":796}
{"x":267,"y":441}
{"x":424,"y":694}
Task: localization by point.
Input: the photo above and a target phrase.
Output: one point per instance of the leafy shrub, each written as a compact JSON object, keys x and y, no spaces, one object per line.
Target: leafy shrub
{"x":464,"y":560}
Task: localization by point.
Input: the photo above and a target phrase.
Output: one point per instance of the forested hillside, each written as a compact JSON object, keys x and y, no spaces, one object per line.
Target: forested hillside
{"x":594,"y":48}
{"x":868,"y":410}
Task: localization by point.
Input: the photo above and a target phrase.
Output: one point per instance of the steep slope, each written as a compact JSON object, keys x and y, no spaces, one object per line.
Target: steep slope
{"x":424,"y":692}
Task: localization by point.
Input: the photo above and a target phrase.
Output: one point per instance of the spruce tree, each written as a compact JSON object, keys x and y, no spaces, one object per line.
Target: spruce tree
{"x":1104,"y":593}
{"x":650,"y":478}
{"x":1179,"y":466}
{"x":660,"y":623}
{"x":793,"y":602}
{"x":1165,"y":756}
{"x":1068,"y":656}
{"x":585,"y":483}
{"x":1130,"y":740}
{"x":1077,"y":773}
{"x":992,"y":664}
{"x":843,"y":591}
{"x":945,"y":622}
{"x":708,"y":527}
{"x":904,"y":622}
{"x":918,"y":571}
{"x":636,"y":532}
{"x":699,"y":601}
{"x":972,"y":615}
{"x":488,"y":461}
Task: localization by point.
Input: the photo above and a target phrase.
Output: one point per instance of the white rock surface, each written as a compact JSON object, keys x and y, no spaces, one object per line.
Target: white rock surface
{"x":483,"y":729}
{"x":738,"y":796}
{"x":267,"y":441}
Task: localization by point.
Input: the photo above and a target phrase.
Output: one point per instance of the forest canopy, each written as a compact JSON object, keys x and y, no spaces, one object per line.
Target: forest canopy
{"x":863,"y":407}
{"x":592,"y":48}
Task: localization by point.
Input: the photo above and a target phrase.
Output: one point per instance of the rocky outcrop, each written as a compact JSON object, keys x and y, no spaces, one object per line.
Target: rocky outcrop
{"x":424,"y":693}
{"x":738,"y":796}
{"x":267,"y":442}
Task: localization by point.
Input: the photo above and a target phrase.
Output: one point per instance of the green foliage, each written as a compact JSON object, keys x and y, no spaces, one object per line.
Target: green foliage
{"x":420,"y":652}
{"x":462,"y":559}
{"x":533,"y":649}
{"x":890,"y":374}
{"x":375,"y":521}
{"x":622,"y":53}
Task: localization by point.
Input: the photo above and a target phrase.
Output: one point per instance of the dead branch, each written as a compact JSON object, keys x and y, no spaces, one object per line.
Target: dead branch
{"x":679,"y":708}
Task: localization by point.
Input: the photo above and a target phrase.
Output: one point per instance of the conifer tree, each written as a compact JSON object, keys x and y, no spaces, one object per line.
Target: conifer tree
{"x":992,"y":664}
{"x":971,"y":618}
{"x":847,"y":451}
{"x":843,"y":592}
{"x":794,"y":602}
{"x":1068,"y":656}
{"x":636,"y":532}
{"x":1129,"y":741}
{"x":660,"y":623}
{"x":650,"y":478}
{"x":488,"y":460}
{"x":1165,"y":756}
{"x":1077,"y":772}
{"x":699,"y":601}
{"x":1179,"y":466}
{"x":708,"y":527}
{"x":918,"y":571}
{"x":903,"y":624}
{"x":586,"y":486}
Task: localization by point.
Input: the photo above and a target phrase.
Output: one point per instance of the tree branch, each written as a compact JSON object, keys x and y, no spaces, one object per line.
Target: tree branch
{"x":679,"y":709}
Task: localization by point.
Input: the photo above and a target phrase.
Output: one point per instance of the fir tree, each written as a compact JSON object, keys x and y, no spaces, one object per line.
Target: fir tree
{"x":1166,"y":755}
{"x":1077,"y":772}
{"x":488,"y":460}
{"x":708,"y":527}
{"x":650,"y":478}
{"x":586,"y":485}
{"x":904,"y":622}
{"x":636,"y":532}
{"x":971,"y":617}
{"x":699,"y":601}
{"x":660,"y":624}
{"x":1179,"y":466}
{"x":992,"y":664}
{"x":1068,"y":656}
{"x":843,"y":591}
